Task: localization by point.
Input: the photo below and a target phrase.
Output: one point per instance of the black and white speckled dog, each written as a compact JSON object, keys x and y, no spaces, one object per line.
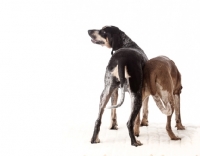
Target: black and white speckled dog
{"x":124,"y":69}
{"x":113,"y":37}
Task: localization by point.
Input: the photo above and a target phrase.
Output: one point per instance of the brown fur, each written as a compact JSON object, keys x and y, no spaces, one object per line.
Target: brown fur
{"x":162,"y":80}
{"x":165,"y":72}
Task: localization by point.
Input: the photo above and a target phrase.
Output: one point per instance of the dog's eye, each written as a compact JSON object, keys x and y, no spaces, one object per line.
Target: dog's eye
{"x":102,"y":32}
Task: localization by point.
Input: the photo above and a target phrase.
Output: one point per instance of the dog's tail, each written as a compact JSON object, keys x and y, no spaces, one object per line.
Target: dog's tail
{"x":121,"y":73}
{"x":167,"y":110}
{"x":121,"y":100}
{"x":152,"y":83}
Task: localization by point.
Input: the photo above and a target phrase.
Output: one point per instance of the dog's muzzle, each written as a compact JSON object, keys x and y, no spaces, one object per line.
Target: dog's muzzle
{"x":97,"y":42}
{"x":90,"y":32}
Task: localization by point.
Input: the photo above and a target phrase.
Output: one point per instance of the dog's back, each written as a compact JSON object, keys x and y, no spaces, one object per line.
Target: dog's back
{"x":126,"y":65}
{"x":131,"y":60}
{"x":162,"y":70}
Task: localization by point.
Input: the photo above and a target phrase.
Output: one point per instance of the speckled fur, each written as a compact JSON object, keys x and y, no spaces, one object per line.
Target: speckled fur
{"x":113,"y":37}
{"x":134,"y":62}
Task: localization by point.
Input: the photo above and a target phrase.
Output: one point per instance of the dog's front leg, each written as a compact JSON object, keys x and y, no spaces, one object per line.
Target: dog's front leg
{"x":136,"y":103}
{"x":114,"y":98}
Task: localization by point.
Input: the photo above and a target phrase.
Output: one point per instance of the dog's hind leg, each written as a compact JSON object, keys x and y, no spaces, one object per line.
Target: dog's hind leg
{"x":136,"y":103}
{"x":145,"y":98}
{"x":137,"y":125}
{"x":105,"y":96}
{"x":169,"y":129}
{"x":110,"y":86}
{"x":114,"y":98}
{"x":169,"y":98}
{"x":178,"y":112}
{"x":145,"y":112}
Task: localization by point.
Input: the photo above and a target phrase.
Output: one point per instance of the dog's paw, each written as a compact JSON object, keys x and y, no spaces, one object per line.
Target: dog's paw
{"x":136,"y":131}
{"x":94,"y":141}
{"x":137,"y":134}
{"x":180,"y":127}
{"x":144,"y":123}
{"x":137,"y":143}
{"x":113,"y":125}
{"x":175,"y":138}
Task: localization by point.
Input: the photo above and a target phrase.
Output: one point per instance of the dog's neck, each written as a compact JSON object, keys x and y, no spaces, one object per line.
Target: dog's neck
{"x":128,"y":43}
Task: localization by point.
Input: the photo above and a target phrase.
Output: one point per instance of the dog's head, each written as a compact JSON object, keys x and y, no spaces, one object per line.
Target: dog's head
{"x":109,"y":36}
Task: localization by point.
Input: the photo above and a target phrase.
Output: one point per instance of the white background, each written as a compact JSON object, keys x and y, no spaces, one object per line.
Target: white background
{"x":52,"y":75}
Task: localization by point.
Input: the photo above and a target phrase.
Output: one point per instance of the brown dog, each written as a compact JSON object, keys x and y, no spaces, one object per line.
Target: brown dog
{"x":162,"y":80}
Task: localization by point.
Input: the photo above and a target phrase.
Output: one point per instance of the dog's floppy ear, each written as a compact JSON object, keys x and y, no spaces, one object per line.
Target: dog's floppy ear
{"x":115,"y":40}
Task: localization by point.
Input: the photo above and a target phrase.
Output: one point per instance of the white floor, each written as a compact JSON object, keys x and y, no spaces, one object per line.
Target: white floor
{"x":117,"y":142}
